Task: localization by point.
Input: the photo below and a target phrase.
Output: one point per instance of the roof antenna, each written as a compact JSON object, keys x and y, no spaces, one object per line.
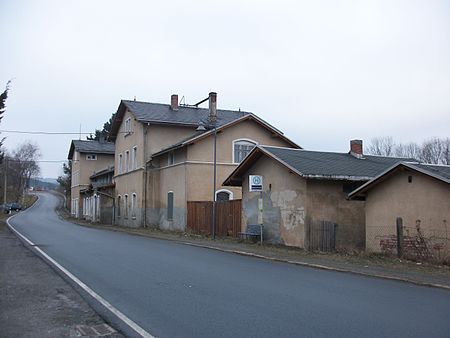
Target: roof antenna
{"x":182,"y":101}
{"x":80,"y":132}
{"x":134,"y":97}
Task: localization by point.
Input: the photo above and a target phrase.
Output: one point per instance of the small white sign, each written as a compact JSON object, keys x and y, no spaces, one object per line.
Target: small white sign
{"x":255,"y":183}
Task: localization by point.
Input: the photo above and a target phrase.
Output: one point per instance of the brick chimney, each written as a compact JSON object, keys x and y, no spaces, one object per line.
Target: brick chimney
{"x":174,"y":102}
{"x":356,"y":148}
{"x":212,"y":106}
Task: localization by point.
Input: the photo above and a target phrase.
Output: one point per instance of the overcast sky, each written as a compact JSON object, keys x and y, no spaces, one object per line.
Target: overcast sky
{"x":323,"y":72}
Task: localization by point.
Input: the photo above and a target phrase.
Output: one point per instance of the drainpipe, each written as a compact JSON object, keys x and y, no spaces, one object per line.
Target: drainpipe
{"x":144,"y":211}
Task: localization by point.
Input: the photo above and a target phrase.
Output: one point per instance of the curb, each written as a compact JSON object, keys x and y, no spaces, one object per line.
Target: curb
{"x":321,"y":267}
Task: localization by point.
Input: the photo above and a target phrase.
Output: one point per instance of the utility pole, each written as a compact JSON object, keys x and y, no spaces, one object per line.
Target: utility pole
{"x":6,"y":180}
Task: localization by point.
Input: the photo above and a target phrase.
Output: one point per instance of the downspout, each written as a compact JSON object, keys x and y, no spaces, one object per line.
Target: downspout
{"x":144,"y":211}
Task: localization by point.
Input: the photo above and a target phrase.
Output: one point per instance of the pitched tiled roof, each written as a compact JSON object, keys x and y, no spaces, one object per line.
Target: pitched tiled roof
{"x":317,"y":164}
{"x":91,"y":146}
{"x":333,"y":165}
{"x":159,"y":113}
{"x":439,"y":172}
{"x":186,"y":115}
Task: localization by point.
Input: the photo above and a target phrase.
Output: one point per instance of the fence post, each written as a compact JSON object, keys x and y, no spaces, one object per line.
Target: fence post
{"x":399,"y":222}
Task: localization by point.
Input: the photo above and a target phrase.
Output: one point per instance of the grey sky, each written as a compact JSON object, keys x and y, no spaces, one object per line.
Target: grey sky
{"x":321,"y":71}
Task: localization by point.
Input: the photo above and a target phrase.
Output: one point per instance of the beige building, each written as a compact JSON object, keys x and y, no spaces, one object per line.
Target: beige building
{"x":420,"y":195}
{"x":304,"y":194}
{"x":87,"y":157}
{"x":165,"y":154}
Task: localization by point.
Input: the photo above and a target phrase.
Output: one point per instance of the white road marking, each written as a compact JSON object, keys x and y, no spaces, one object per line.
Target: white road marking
{"x":86,"y":288}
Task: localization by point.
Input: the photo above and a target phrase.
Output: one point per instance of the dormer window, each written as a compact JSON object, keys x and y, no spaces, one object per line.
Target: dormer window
{"x":91,"y":157}
{"x":241,"y":148}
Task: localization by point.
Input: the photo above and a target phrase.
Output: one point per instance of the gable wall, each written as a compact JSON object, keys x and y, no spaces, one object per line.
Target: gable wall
{"x":203,"y":149}
{"x":284,"y":201}
{"x":425,"y":199}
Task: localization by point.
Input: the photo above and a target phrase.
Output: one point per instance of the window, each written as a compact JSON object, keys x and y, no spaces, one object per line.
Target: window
{"x":133,"y":205}
{"x":134,"y":163}
{"x":119,"y":170}
{"x":119,"y":200}
{"x":128,"y":126}
{"x":127,"y":159}
{"x":91,"y":157}
{"x":224,"y":195}
{"x":241,"y":148}
{"x":170,"y":158}
{"x":125,"y":206}
{"x":170,"y":206}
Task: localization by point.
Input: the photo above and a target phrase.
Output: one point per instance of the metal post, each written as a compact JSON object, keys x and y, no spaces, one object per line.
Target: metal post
{"x":6,"y":181}
{"x":214,"y":184}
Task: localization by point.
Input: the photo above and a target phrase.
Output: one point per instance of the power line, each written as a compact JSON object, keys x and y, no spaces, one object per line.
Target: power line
{"x":50,"y":132}
{"x":42,"y":132}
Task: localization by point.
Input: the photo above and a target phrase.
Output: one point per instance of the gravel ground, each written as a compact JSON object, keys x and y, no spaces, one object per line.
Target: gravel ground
{"x":36,"y":302}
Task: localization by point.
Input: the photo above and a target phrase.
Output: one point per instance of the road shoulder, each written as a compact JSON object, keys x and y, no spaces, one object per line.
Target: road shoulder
{"x":36,"y":301}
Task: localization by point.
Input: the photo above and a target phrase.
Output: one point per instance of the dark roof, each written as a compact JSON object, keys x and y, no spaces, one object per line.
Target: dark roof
{"x":103,"y":172}
{"x":91,"y":147}
{"x":158,"y":113}
{"x":439,"y":172}
{"x":318,"y":164}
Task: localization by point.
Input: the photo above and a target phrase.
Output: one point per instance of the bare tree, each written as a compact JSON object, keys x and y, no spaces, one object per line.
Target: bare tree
{"x":383,"y":146}
{"x":445,"y":157}
{"x":24,"y":163}
{"x":409,"y":150}
{"x":432,"y":151}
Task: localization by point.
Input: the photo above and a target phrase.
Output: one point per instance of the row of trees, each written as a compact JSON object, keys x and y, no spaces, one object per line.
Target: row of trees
{"x":17,"y":166}
{"x":432,"y":151}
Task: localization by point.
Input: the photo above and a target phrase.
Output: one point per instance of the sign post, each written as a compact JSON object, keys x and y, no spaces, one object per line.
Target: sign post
{"x":256,"y":185}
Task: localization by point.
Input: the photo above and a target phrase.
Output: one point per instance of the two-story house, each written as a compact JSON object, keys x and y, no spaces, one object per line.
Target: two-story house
{"x":165,"y":157}
{"x":87,"y":157}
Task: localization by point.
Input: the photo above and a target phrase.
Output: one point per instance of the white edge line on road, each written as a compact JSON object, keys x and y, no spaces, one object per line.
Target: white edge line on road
{"x":86,"y":288}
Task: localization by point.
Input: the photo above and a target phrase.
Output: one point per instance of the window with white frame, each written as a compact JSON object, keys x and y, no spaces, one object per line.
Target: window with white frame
{"x":241,"y":148}
{"x":91,"y":157}
{"x":170,"y":158}
{"x":119,"y":165}
{"x":224,"y":195}
{"x":128,"y":126}
{"x":127,"y":160}
{"x":133,"y":205}
{"x":125,"y":206}
{"x":134,"y":163}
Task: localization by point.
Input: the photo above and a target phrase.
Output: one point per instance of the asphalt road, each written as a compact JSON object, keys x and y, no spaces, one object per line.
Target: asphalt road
{"x":175,"y":290}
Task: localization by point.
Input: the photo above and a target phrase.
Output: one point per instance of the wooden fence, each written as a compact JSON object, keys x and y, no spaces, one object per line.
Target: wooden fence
{"x":321,"y":236}
{"x":228,"y":217}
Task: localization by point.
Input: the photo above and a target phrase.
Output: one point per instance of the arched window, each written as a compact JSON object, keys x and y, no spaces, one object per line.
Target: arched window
{"x":224,"y":195}
{"x":125,"y":206}
{"x":241,"y":148}
{"x":119,"y":201}
{"x":133,"y":205}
